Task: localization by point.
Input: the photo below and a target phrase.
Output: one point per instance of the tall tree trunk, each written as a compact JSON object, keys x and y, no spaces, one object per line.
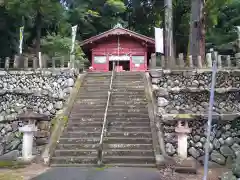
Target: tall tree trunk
{"x":197,"y":31}
{"x":38,"y":31}
{"x":202,"y":30}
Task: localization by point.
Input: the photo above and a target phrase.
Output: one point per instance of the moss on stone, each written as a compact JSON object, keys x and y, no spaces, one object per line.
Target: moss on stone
{"x":103,"y":168}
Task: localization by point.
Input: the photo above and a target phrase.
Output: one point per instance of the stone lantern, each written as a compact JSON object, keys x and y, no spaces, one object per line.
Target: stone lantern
{"x":182,"y":131}
{"x":28,"y":131}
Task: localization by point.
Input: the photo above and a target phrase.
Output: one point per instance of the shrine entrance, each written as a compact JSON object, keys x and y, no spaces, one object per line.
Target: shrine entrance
{"x":119,"y":65}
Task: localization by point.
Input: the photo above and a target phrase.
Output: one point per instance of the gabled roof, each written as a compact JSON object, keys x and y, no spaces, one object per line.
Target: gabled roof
{"x":118,"y":31}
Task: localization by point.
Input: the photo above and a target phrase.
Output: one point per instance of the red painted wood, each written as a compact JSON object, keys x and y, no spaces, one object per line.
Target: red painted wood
{"x":130,"y":46}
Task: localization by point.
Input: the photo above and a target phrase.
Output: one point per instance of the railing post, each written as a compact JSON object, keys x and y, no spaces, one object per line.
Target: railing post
{"x":103,"y":132}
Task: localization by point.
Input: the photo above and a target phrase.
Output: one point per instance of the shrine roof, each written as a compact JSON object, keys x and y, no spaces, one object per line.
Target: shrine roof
{"x":118,"y":30}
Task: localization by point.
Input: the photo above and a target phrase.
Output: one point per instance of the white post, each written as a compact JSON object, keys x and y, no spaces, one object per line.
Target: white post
{"x":28,"y":132}
{"x":209,"y":60}
{"x":40,"y":60}
{"x":182,"y":133}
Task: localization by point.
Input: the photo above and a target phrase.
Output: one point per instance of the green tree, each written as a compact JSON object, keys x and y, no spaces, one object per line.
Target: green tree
{"x":37,"y":15}
{"x":59,"y":46}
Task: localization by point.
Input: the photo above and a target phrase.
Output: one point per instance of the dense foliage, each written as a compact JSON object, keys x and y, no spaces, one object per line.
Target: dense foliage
{"x":48,"y":22}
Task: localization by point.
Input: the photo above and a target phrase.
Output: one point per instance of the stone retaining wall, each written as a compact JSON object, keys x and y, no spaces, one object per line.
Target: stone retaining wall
{"x":43,"y":91}
{"x":188,"y":91}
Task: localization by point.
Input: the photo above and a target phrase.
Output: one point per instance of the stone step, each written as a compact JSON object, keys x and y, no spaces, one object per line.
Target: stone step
{"x":92,"y":102}
{"x":83,"y":94}
{"x":87,"y":97}
{"x":109,"y":114}
{"x":63,"y":140}
{"x":85,"y":119}
{"x":135,"y":110}
{"x":76,"y":152}
{"x":77,"y":146}
{"x":81,"y":128}
{"x":116,"y":102}
{"x":99,"y":74}
{"x":132,"y":129}
{"x":129,"y":159}
{"x":95,"y":89}
{"x":112,"y":109}
{"x":128,"y":119}
{"x":131,"y":84}
{"x":131,"y":165}
{"x":74,"y":160}
{"x":131,"y":96}
{"x":88,"y":122}
{"x":128,"y":106}
{"x":74,"y":165}
{"x":79,"y":134}
{"x":128,"y":90}
{"x":127,"y":152}
{"x":129,"y":123}
{"x":94,"y":125}
{"x":127,"y":115}
{"x":128,"y":146}
{"x":76,"y":107}
{"x":127,"y":140}
{"x":111,"y":134}
{"x":94,"y":81}
{"x":93,"y":96}
{"x":87,"y":115}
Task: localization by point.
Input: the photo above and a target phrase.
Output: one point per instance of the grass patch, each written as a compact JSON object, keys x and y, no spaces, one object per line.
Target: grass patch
{"x":11,"y":164}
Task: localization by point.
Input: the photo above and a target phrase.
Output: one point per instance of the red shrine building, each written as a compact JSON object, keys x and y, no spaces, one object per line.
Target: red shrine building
{"x":119,"y":48}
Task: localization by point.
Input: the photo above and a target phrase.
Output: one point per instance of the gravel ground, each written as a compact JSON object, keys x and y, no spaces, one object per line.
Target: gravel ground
{"x":213,"y":174}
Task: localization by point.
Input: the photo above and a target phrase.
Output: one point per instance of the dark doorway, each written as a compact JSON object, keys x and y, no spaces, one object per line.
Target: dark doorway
{"x":125,"y":65}
{"x":110,"y":67}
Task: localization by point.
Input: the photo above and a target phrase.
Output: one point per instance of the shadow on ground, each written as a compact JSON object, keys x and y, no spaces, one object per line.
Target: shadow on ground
{"x":74,"y":173}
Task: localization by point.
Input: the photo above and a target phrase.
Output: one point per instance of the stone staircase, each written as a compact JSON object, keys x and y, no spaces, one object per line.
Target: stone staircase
{"x":79,"y":141}
{"x":129,"y":140}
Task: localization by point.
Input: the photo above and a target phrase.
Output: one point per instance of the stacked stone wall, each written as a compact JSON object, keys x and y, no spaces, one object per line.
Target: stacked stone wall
{"x":187,"y":92}
{"x":43,"y":91}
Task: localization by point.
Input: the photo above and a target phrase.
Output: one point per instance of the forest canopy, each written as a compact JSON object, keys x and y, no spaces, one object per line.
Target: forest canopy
{"x":45,"y":18}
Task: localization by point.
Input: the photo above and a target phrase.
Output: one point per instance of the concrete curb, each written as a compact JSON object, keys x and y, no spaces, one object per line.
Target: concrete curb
{"x":158,"y":146}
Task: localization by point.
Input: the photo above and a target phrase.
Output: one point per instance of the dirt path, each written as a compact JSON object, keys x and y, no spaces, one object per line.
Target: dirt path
{"x":213,"y":174}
